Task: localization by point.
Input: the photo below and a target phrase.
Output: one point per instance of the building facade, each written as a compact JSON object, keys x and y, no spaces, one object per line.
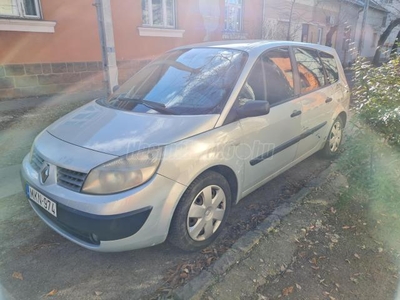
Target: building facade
{"x":52,"y":46}
{"x":335,"y":23}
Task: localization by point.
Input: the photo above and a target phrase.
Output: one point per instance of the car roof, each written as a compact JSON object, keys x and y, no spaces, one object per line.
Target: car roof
{"x":255,"y":45}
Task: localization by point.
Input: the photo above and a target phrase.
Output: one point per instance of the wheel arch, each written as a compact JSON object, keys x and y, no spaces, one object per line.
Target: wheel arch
{"x":343,"y":116}
{"x":230,"y":176}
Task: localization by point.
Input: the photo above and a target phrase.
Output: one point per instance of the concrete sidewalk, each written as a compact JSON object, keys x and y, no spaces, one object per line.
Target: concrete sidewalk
{"x":268,"y":250}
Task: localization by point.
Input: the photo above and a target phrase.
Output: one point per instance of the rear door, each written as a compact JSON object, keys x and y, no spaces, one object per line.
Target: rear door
{"x":316,"y":100}
{"x":269,"y":142}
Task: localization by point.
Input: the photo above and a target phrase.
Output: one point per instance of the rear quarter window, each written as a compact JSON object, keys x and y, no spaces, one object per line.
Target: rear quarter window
{"x":330,"y":66}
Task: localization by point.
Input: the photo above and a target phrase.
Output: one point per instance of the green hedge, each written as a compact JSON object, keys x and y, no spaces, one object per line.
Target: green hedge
{"x":376,"y":97}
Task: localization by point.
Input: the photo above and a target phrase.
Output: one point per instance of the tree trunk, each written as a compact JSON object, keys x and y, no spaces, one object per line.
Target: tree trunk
{"x":329,"y":35}
{"x":395,"y":45}
{"x":382,"y":40}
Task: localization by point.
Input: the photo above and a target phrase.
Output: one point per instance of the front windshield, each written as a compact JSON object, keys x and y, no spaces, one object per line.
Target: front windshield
{"x":188,"y":81}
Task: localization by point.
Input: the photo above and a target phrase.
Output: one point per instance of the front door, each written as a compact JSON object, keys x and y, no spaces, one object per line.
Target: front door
{"x":269,"y":142}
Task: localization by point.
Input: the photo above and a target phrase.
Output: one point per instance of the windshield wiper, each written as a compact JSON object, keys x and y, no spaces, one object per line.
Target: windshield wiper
{"x":159,"y":107}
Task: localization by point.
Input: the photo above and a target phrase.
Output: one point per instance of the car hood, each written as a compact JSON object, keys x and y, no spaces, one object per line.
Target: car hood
{"x":117,"y":132}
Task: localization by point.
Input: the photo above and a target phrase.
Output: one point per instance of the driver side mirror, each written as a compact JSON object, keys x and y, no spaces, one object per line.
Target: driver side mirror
{"x":253,"y":108}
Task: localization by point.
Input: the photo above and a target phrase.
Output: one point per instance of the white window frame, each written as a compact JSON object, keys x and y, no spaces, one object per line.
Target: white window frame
{"x":235,"y":5}
{"x":165,"y":16}
{"x":19,"y":10}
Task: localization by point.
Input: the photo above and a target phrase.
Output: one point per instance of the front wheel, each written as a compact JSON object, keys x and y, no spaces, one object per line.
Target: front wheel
{"x":334,"y":140}
{"x":201,"y":213}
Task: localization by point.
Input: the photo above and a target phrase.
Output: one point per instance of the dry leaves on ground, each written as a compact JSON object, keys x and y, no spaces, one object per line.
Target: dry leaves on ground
{"x":52,"y":293}
{"x":17,"y":275}
{"x":287,"y":291}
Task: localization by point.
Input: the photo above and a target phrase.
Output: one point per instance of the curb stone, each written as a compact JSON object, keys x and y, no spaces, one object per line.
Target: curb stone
{"x":195,"y":288}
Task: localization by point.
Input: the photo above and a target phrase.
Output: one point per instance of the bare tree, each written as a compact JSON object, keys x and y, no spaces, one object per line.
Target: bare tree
{"x":382,"y":40}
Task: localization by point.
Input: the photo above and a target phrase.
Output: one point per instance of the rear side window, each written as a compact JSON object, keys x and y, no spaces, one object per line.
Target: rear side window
{"x":331,"y":69}
{"x":311,"y":71}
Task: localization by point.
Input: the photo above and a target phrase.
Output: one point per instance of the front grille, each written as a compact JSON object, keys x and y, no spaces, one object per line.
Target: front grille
{"x":69,"y":179}
{"x":36,"y":160}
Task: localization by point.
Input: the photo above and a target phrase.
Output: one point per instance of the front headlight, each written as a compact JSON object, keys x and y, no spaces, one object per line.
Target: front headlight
{"x":123,"y":173}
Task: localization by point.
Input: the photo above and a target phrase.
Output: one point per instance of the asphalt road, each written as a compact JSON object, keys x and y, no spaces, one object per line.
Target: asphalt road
{"x":35,"y":261}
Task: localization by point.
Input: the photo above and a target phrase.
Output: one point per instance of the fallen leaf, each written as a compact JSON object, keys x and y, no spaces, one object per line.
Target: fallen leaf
{"x":51,"y":293}
{"x":313,"y":261}
{"x":289,"y":271}
{"x":354,"y":280}
{"x":17,"y":275}
{"x":315,"y":268}
{"x":380,"y":250}
{"x":357,"y":256}
{"x":331,"y":298}
{"x":326,"y":293}
{"x":333,"y":210}
{"x":287,"y":291}
{"x":298,"y":286}
{"x":346,"y":227}
{"x":97,"y":293}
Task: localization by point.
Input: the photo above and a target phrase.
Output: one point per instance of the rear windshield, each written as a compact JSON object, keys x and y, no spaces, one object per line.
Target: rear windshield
{"x":190,"y":81}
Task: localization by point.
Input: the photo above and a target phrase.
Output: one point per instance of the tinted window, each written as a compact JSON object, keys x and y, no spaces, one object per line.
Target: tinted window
{"x":270,"y":79}
{"x":310,"y":69}
{"x":279,"y":75}
{"x":331,"y":69}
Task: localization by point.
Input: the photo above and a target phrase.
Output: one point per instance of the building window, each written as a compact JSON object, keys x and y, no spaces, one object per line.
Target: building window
{"x":374,"y":40}
{"x":384,"y":21}
{"x":20,"y":8}
{"x":158,"y":13}
{"x":319,"y":36}
{"x":233,"y":15}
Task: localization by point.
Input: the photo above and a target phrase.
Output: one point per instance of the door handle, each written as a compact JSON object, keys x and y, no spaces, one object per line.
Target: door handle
{"x":295,"y":113}
{"x":329,"y":99}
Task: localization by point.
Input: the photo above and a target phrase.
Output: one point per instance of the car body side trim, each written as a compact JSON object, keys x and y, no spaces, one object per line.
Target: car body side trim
{"x":285,"y":145}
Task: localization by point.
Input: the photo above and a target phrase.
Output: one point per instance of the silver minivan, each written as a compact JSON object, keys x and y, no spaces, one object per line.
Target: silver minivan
{"x":182,"y":141}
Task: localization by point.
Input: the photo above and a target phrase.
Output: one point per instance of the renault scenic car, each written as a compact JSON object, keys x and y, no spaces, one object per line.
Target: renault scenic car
{"x":182,"y":141}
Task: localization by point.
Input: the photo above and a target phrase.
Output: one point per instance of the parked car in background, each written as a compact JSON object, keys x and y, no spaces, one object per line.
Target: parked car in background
{"x":182,"y":141}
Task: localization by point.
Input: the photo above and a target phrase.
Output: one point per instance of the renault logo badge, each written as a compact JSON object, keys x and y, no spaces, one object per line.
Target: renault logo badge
{"x":44,"y":173}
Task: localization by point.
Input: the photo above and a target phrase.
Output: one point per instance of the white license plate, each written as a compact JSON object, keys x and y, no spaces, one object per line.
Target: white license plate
{"x":42,"y":200}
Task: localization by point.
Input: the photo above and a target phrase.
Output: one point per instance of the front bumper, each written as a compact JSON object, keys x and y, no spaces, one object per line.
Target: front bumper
{"x":109,"y":223}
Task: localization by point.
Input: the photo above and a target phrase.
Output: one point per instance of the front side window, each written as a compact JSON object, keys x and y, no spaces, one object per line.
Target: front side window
{"x":271,"y":78}
{"x":186,"y":82}
{"x":233,"y":15}
{"x":310,"y":69}
{"x":158,"y":13}
{"x":20,"y":8}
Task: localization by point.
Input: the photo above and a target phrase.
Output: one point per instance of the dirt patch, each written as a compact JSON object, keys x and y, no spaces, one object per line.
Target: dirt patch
{"x":338,"y":258}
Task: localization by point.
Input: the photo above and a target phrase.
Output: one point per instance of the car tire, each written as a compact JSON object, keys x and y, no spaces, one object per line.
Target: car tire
{"x":334,"y":140}
{"x":201,"y":212}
